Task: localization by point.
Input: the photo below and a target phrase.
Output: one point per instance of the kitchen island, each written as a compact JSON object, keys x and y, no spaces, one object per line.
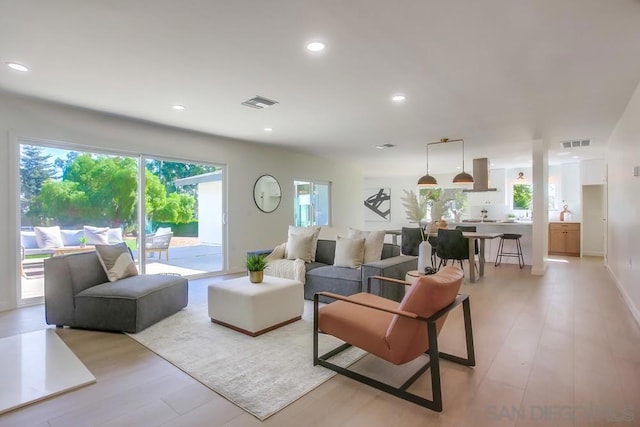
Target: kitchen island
{"x":491,"y":250}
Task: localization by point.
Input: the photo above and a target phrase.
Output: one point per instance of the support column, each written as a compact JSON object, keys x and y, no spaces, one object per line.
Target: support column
{"x":540,"y":181}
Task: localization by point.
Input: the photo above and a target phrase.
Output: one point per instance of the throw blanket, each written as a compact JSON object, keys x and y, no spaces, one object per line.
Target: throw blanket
{"x":286,"y":268}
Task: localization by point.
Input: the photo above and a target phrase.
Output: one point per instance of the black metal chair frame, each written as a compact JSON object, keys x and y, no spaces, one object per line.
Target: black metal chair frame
{"x":518,"y":254}
{"x":434,"y":354}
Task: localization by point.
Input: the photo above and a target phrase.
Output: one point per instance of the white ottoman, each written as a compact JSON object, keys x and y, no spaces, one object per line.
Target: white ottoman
{"x":253,"y":308}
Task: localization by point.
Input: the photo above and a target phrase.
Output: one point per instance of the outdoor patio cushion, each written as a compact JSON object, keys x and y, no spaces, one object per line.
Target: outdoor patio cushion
{"x":48,"y":237}
{"x":96,"y":235}
{"x":115,"y":235}
{"x":71,"y":237}
{"x":162,"y":230}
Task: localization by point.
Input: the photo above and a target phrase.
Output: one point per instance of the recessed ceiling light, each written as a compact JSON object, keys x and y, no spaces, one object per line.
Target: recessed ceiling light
{"x":179,"y":107}
{"x":383,"y":146}
{"x":268,"y":129}
{"x":16,"y":66}
{"x":575,"y":157}
{"x":563,"y":153}
{"x":398,"y":98}
{"x":316,"y":46}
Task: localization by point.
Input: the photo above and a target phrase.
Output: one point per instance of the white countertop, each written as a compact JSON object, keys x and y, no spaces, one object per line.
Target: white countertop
{"x":564,"y":222}
{"x":491,"y":223}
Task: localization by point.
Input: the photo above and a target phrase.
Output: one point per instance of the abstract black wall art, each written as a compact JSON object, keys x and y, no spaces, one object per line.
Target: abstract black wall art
{"x":377,"y":204}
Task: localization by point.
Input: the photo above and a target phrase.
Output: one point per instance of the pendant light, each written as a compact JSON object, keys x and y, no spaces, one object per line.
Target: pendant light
{"x":428,"y":181}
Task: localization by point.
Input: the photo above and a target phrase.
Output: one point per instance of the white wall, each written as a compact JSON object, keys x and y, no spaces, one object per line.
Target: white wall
{"x":248,"y":228}
{"x":567,"y":178}
{"x":210,"y":212}
{"x":593,"y":220}
{"x":623,"y":234}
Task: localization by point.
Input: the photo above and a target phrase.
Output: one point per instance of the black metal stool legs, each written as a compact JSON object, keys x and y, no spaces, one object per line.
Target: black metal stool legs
{"x":518,"y":254}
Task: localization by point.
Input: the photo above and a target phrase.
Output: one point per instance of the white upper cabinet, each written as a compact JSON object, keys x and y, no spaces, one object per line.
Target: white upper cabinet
{"x":593,"y":172}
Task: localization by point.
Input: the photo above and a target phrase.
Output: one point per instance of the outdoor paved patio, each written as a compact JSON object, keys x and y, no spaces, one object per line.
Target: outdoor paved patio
{"x":187,"y":261}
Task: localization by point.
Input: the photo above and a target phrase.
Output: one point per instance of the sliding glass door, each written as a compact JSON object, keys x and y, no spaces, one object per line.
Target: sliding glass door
{"x":183,"y":218}
{"x":169,"y":212}
{"x":70,"y":200}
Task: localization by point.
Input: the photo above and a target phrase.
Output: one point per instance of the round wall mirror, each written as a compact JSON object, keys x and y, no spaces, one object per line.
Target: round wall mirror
{"x":266,"y":193}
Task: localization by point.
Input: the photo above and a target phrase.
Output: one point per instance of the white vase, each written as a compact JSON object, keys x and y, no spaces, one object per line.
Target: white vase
{"x":424,"y":255}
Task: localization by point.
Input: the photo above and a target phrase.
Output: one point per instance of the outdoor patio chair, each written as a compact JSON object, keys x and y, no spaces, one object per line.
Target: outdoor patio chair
{"x":158,"y":243}
{"x":396,"y":332}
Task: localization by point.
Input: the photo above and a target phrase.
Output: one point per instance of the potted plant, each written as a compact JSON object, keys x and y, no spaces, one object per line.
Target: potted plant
{"x":83,"y":241}
{"x":416,"y":212}
{"x":256,"y":264}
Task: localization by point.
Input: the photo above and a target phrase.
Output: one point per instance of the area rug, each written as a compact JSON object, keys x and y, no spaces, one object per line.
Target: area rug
{"x":262,"y":375}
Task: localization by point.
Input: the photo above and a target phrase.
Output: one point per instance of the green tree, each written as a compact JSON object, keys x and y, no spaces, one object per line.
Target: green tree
{"x":168,"y":172}
{"x":103,"y":191}
{"x":35,"y":169}
{"x":522,"y":196}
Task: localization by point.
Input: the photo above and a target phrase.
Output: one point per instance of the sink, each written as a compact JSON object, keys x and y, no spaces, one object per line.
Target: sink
{"x":479,"y":221}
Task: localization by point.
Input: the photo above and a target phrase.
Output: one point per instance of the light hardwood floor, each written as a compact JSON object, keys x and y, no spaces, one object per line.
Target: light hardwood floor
{"x":557,"y":350}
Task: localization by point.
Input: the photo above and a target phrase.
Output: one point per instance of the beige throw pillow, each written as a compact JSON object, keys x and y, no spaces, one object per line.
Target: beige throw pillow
{"x":48,"y":237}
{"x":313,"y":231}
{"x":299,"y":246}
{"x":349,"y":252}
{"x":116,"y":261}
{"x":374,"y":241}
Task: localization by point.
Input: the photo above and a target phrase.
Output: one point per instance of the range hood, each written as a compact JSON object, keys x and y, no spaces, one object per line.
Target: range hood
{"x":480,"y":176}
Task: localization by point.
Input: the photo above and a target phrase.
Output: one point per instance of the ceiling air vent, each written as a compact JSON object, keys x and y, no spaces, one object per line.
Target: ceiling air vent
{"x":259,"y":102}
{"x":576,"y":143}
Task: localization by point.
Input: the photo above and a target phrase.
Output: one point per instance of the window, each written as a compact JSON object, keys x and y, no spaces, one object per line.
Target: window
{"x":311,"y":203}
{"x":552,"y":197}
{"x":522,"y":194}
{"x":444,"y":203}
{"x":72,"y":189}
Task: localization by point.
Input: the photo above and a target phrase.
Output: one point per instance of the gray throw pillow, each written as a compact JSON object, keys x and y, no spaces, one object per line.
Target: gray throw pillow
{"x":116,"y":261}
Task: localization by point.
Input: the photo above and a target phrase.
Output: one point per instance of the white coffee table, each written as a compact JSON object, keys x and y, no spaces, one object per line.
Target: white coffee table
{"x":254,"y":309}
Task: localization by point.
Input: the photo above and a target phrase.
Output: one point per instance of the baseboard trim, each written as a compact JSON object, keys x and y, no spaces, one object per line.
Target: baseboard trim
{"x":635,"y":312}
{"x":593,"y":254}
{"x":539,"y":271}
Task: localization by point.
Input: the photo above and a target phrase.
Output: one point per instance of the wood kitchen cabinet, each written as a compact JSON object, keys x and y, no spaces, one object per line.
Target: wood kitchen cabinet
{"x":564,"y":239}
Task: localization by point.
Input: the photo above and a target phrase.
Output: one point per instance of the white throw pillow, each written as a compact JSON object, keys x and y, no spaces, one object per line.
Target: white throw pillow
{"x":48,"y":237}
{"x":163,"y":230}
{"x":114,"y":235}
{"x":349,"y":252}
{"x":313,"y":231}
{"x":299,"y":246}
{"x":374,"y":241}
{"x":96,"y":235}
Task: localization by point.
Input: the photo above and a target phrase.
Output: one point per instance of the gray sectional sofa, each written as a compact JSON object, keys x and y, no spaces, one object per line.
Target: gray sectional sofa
{"x":322,"y":275}
{"x":78,"y":294}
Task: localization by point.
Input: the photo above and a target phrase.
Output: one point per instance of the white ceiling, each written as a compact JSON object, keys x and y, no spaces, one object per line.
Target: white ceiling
{"x":498,"y":73}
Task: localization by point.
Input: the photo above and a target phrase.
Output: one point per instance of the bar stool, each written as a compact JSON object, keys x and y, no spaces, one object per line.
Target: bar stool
{"x":517,"y":254}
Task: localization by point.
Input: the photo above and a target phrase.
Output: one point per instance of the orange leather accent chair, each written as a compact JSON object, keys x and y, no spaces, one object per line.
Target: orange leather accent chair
{"x":396,"y":332}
